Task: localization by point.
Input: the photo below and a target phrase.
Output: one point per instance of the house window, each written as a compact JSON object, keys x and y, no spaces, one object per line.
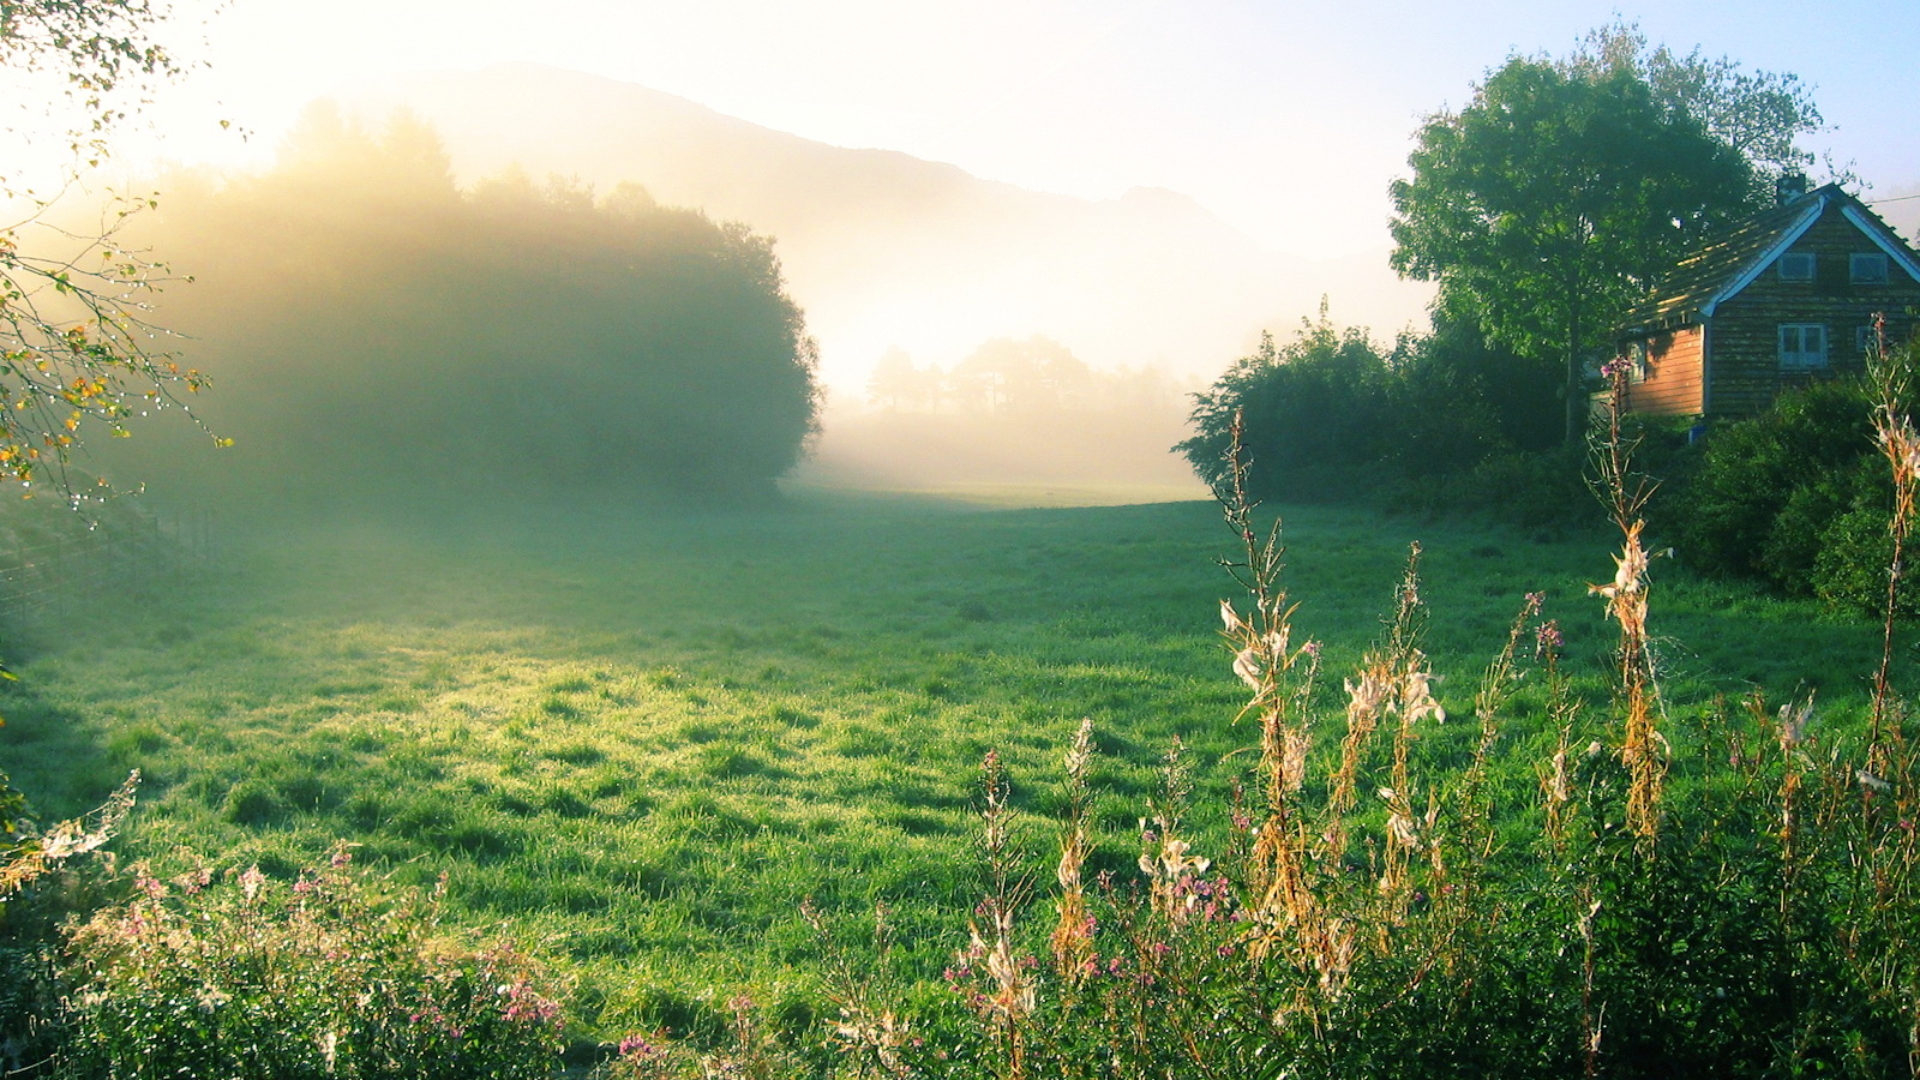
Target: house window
{"x":1803,"y":346}
{"x":1637,"y":362}
{"x":1796,"y":266}
{"x":1868,"y":268}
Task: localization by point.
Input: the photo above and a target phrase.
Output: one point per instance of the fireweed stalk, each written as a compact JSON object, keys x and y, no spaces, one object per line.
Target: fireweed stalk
{"x":1889,"y":784}
{"x":1625,"y":494}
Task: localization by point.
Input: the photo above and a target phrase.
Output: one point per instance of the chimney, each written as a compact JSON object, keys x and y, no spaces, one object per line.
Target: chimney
{"x":1788,"y":187}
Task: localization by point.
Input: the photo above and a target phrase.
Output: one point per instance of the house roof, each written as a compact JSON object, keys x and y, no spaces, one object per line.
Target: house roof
{"x":1716,"y":271}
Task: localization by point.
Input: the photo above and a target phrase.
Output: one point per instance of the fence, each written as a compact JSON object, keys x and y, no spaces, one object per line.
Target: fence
{"x":44,"y":572}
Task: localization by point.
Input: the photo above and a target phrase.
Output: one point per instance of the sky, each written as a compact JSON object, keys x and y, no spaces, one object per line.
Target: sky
{"x":1287,"y":120}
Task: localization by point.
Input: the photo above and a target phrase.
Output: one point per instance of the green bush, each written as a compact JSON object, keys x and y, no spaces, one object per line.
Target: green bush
{"x":1768,"y":496}
{"x":1332,"y":415}
{"x":1315,"y":412}
{"x":1850,"y":569}
{"x":235,"y":975}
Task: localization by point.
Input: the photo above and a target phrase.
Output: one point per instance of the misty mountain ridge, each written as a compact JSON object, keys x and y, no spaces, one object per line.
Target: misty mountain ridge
{"x":882,"y":248}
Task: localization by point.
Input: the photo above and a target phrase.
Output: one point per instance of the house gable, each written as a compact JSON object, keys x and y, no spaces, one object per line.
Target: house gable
{"x":1768,"y":257}
{"x":1786,"y":296}
{"x":1877,"y":231}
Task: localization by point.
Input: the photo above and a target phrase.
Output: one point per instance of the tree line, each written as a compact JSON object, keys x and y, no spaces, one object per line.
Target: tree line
{"x":381,"y":334}
{"x":1014,"y":376}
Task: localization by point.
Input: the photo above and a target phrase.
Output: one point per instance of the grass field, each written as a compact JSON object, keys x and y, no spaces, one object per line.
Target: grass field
{"x":638,"y":741}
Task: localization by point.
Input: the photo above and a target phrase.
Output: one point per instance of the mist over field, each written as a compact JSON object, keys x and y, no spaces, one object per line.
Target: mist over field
{"x":891,"y":254}
{"x":423,"y":292}
{"x":888,"y":250}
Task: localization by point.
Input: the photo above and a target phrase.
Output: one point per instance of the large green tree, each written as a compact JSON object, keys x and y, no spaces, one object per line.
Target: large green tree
{"x":388,"y":341}
{"x":1760,"y":114}
{"x":1553,"y":199}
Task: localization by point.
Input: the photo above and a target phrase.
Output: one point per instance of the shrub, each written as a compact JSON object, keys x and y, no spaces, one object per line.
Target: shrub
{"x":236,"y":975}
{"x":1316,"y":413}
{"x":39,"y":890}
{"x":1766,"y":490}
{"x":1332,"y":415}
{"x":1849,"y":570}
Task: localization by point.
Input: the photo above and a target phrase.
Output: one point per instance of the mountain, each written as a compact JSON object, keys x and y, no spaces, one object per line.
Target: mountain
{"x":885,"y":249}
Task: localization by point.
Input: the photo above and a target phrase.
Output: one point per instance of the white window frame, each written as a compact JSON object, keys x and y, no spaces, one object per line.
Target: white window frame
{"x":1796,"y":266}
{"x":1879,"y":273}
{"x":1637,"y":362}
{"x":1803,"y":346}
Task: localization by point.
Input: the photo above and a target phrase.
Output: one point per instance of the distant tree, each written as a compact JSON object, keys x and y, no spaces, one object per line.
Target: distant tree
{"x":1128,"y":389}
{"x":75,"y":336}
{"x":895,"y":379}
{"x":391,"y":339}
{"x":1332,"y":414}
{"x":1550,"y":203}
{"x":929,"y":387}
{"x":1031,"y":375}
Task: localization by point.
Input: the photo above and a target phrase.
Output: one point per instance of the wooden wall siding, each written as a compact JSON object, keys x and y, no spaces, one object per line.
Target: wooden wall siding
{"x":1672,"y":386}
{"x":1746,"y":327}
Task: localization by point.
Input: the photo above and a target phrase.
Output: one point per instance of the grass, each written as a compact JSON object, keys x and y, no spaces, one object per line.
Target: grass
{"x":637,"y":742}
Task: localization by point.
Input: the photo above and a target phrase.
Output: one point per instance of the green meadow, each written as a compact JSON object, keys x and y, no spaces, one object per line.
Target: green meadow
{"x":637,"y":741}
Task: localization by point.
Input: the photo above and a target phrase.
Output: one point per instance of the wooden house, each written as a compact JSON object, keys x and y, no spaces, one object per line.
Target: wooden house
{"x":1787,"y":296}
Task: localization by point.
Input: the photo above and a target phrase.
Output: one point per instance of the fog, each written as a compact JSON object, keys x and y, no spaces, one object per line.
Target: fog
{"x":448,"y":288}
{"x":382,"y":339}
{"x":886,"y":252}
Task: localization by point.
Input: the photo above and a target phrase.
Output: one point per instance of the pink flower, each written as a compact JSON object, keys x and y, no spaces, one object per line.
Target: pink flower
{"x":637,"y":1046}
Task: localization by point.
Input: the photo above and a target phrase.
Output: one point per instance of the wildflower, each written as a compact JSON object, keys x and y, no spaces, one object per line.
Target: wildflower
{"x":1418,"y":698}
{"x":250,"y":882}
{"x":1793,"y":722}
{"x":1293,"y":766}
{"x":637,"y":1047}
{"x":1246,"y":664}
{"x":1231,"y":618}
{"x":193,"y":881}
{"x":1547,"y":638}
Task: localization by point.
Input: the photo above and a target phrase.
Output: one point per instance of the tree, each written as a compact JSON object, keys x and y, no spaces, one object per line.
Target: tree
{"x":1759,"y":114}
{"x":1316,"y":412}
{"x":398,"y":344}
{"x":1549,"y":204}
{"x":1031,"y":375}
{"x":74,"y":333}
{"x":894,"y":379}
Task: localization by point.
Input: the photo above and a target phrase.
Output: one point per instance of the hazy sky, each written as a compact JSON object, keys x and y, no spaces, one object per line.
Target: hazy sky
{"x":1286,"y":119}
